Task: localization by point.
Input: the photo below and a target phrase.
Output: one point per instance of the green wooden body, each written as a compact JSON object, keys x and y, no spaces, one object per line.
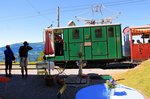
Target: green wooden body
{"x":98,"y":42}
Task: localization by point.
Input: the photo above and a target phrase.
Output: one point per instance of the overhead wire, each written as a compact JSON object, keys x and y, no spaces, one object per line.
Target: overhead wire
{"x":36,"y":10}
{"x":124,"y":2}
{"x":72,"y":8}
{"x":112,"y":3}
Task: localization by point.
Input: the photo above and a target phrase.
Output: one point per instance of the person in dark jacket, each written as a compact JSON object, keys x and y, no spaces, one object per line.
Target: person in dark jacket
{"x":9,"y":57}
{"x":58,"y":45}
{"x":23,"y":53}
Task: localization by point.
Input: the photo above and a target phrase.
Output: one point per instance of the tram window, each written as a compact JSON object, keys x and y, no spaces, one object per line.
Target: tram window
{"x":98,"y":33}
{"x":145,"y":36}
{"x":111,"y":32}
{"x":75,"y":34}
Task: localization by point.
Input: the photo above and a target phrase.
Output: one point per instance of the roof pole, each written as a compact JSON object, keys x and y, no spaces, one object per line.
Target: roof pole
{"x":58,"y":16}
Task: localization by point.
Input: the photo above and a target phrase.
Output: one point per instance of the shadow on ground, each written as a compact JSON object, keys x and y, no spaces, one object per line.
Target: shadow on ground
{"x":34,"y":86}
{"x":120,"y":66}
{"x":113,"y":65}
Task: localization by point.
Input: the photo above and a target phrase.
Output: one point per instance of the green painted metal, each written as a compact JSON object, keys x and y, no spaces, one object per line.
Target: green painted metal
{"x":106,"y":77}
{"x":103,"y":34}
{"x":66,"y":44}
{"x":119,"y":41}
{"x":87,"y":43}
{"x":88,"y":55}
{"x":99,"y":49}
{"x":101,"y":42}
{"x":87,"y":34}
{"x":59,"y":58}
{"x":75,"y":42}
{"x":111,"y":37}
{"x":51,"y":58}
{"x":75,"y":49}
{"x":75,"y":35}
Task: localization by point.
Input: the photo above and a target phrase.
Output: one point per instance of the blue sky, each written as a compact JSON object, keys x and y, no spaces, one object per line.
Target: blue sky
{"x":22,"y":20}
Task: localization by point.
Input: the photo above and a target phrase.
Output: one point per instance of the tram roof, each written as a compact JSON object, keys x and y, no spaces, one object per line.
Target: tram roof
{"x":138,"y":30}
{"x":82,"y":26}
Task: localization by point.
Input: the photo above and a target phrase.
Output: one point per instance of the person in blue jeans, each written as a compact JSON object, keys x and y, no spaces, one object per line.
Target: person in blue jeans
{"x":9,"y":58}
{"x":23,"y":53}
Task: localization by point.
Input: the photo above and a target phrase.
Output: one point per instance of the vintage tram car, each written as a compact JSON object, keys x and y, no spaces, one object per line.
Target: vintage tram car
{"x":137,"y":42}
{"x":93,"y":43}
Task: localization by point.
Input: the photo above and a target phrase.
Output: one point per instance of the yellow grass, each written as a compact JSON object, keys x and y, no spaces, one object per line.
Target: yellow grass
{"x":138,"y":78}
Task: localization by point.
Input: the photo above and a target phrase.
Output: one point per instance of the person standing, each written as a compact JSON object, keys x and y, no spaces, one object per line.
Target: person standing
{"x":58,"y":45}
{"x":9,"y":57}
{"x":23,"y":53}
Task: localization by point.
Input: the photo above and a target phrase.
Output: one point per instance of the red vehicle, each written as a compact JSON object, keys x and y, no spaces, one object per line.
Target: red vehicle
{"x":137,"y":40}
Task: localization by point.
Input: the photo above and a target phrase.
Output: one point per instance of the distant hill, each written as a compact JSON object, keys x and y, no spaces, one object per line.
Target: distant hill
{"x":33,"y":54}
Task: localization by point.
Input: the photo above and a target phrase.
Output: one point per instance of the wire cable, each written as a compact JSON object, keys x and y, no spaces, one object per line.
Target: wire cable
{"x":68,"y":9}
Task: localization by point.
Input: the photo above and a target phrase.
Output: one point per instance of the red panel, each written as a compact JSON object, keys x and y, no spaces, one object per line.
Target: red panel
{"x":140,"y":51}
{"x":149,"y":50}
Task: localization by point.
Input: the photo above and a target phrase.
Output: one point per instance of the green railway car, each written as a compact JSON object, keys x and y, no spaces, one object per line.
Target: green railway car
{"x":93,"y":43}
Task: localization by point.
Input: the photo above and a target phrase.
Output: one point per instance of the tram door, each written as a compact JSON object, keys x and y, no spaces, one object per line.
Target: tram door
{"x":87,"y":43}
{"x":99,"y":43}
{"x":111,"y":37}
{"x":76,"y":43}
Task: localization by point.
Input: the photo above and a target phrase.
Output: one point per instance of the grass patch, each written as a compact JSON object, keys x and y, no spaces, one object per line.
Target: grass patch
{"x":138,"y":78}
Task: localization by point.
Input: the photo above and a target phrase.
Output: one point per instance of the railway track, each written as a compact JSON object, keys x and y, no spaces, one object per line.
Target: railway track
{"x":114,"y":65}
